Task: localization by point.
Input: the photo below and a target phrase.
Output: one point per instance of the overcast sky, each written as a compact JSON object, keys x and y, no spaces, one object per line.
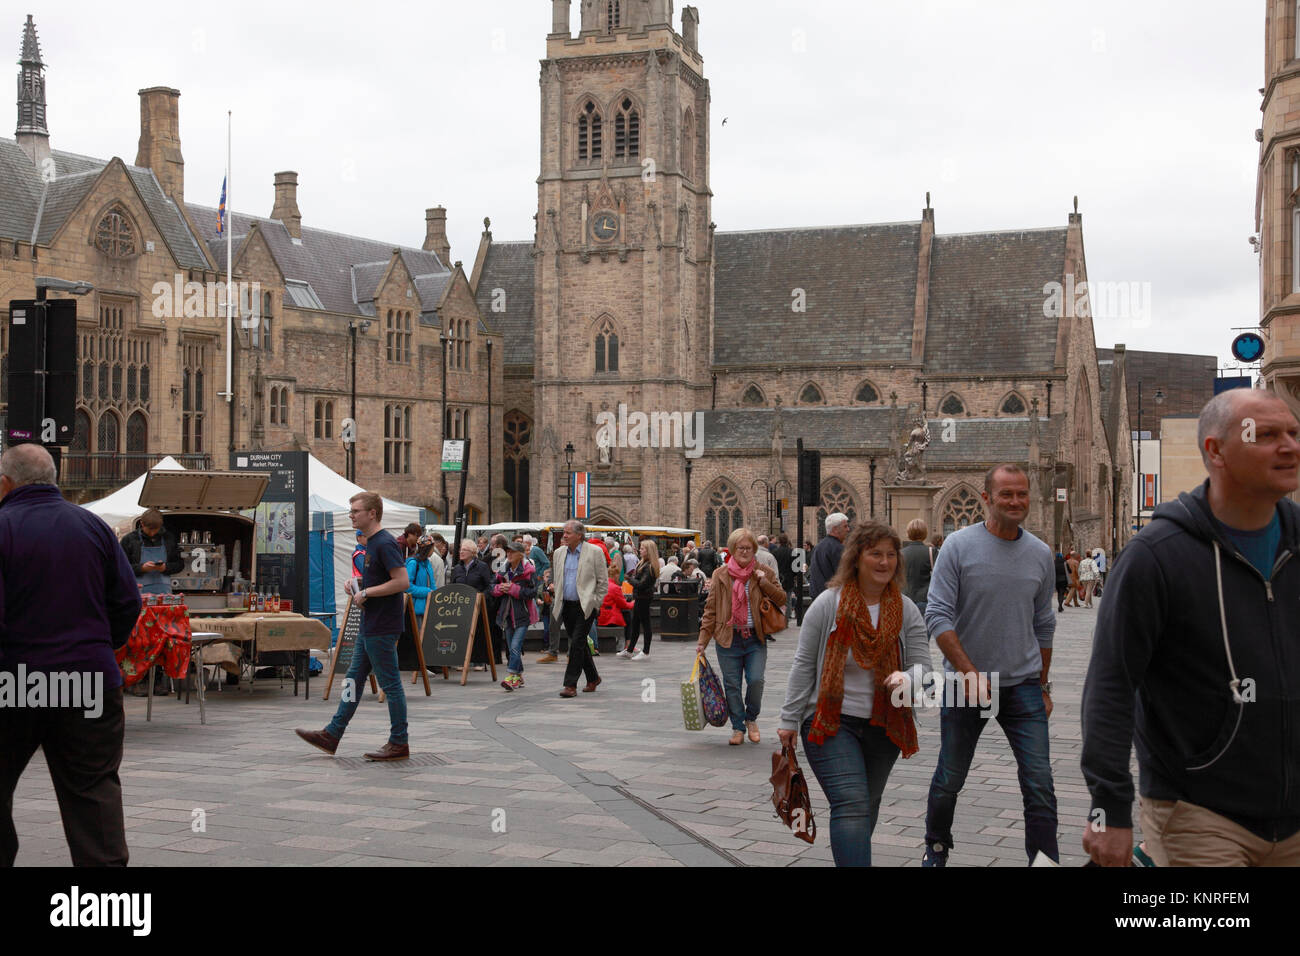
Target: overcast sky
{"x":838,"y":111}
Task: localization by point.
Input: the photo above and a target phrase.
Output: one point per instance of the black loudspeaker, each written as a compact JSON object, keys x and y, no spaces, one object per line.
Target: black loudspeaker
{"x":42,"y":381}
{"x":61,"y":367}
{"x":20,"y":386}
{"x":810,"y":479}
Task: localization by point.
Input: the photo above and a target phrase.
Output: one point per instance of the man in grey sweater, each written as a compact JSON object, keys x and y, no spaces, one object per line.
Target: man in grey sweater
{"x":990,"y":611}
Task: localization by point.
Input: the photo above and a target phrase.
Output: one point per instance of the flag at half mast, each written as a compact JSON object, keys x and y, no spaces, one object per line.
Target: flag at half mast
{"x":221,"y":210}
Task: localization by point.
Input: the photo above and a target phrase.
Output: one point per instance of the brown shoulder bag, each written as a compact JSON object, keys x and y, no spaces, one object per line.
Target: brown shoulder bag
{"x":790,"y":795}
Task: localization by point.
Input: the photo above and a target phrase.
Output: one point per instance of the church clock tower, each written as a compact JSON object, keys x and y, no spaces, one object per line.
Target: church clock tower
{"x":623,"y":262}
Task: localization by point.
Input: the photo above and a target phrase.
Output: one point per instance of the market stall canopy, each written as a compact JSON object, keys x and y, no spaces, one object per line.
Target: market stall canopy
{"x":203,"y":490}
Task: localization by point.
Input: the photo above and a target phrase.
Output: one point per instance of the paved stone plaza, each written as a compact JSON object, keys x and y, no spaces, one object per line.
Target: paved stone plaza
{"x":603,"y":779}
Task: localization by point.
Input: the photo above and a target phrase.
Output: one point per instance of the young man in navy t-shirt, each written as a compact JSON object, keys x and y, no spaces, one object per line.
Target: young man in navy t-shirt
{"x":381,"y":594}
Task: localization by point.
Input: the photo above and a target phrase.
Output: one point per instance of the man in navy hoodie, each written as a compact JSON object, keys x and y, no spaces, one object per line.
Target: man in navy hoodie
{"x":1196,"y":659}
{"x":68,"y":597}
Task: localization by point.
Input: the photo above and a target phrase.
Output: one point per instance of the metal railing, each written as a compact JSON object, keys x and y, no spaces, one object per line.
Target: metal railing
{"x":83,"y":469}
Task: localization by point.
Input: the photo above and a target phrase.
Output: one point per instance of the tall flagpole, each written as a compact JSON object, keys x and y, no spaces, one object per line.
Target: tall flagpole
{"x":230,"y":286}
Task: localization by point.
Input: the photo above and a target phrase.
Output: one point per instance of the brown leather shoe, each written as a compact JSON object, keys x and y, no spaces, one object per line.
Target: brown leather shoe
{"x":391,"y":751}
{"x":320,"y":738}
{"x":591,"y":686}
{"x":569,"y":692}
{"x":546,"y":658}
{"x":753,"y":731}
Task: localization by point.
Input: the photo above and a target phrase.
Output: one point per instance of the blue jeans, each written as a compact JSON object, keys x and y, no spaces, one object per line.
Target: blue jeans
{"x":1023,"y":716}
{"x":852,"y":768}
{"x":746,"y":656}
{"x":546,"y":630}
{"x":377,"y":653}
{"x":515,"y":642}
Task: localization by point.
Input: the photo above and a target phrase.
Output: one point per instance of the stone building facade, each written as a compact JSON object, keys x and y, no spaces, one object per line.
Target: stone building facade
{"x":628,"y":299}
{"x":1277,"y":202}
{"x":152,"y":344}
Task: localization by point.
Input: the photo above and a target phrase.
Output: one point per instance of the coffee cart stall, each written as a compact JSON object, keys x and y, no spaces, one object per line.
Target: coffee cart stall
{"x":206,"y":512}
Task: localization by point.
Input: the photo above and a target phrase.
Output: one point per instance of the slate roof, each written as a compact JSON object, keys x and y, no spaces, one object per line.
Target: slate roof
{"x":986,"y":302}
{"x":509,"y":266}
{"x":859,"y":283}
{"x":31,"y":207}
{"x":343,"y":271}
{"x":1186,"y":380}
{"x":978,"y":441}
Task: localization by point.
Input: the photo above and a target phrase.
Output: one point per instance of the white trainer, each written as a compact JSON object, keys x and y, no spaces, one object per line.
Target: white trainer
{"x":623,"y":654}
{"x":640,"y":656}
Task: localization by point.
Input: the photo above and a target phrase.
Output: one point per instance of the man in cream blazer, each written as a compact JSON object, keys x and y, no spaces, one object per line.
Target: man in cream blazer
{"x":581,"y":578}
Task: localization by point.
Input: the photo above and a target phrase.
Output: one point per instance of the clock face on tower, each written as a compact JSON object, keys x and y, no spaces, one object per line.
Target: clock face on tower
{"x":604,"y":226}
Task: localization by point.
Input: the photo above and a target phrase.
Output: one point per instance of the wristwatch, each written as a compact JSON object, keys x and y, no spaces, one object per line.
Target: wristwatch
{"x":1047,"y":688}
{"x":362,"y":594}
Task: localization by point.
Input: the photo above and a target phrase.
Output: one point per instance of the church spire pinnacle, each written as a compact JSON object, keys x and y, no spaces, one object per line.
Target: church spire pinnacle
{"x":31,"y":54}
{"x":32,"y":134}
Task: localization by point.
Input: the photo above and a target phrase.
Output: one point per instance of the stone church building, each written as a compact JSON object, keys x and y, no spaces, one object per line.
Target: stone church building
{"x":849,"y":337}
{"x":865,"y":341}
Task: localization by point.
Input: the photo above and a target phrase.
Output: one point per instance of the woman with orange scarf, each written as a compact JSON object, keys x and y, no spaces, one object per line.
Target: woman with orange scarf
{"x":862,"y":650}
{"x":733,"y":619}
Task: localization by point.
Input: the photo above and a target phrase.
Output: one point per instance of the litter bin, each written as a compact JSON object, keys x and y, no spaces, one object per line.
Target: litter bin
{"x":679,"y":611}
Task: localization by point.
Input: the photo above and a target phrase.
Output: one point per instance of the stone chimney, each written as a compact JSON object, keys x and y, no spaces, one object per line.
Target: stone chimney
{"x":160,"y":139}
{"x":286,"y":203}
{"x":435,"y":234}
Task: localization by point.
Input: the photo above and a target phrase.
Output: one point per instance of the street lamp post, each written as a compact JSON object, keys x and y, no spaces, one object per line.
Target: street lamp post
{"x":1142,"y":478}
{"x":568,"y":462}
{"x":442,"y":429}
{"x":873,"y":479}
{"x":489,"y":426}
{"x":354,"y":326}
{"x":688,"y":494}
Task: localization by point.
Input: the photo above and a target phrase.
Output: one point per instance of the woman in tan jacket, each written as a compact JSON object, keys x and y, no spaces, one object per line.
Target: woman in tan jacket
{"x":731,"y":617}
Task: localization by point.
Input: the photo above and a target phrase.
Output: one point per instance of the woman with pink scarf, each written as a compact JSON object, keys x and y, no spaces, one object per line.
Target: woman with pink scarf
{"x":732,"y":618}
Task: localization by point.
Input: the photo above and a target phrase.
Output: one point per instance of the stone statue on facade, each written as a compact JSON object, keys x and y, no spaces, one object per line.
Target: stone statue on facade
{"x":911,"y":464}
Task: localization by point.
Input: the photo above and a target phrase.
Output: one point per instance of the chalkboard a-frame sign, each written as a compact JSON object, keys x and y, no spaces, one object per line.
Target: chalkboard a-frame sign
{"x":454,"y":616}
{"x":410,"y":655}
{"x":345,"y":647}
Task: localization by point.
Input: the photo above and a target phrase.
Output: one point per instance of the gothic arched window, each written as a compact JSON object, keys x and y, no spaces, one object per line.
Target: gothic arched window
{"x":115,"y":236}
{"x":517,"y":431}
{"x":688,"y":144}
{"x":613,"y":15}
{"x":627,"y":131}
{"x":963,"y":509}
{"x":837,"y":496}
{"x":106,"y":466}
{"x":137,"y":434}
{"x":589,"y":133}
{"x":867,"y":393}
{"x":606,"y":347}
{"x":1013,"y":404}
{"x":753,"y":396}
{"x":952,"y":405}
{"x":811,"y":395}
{"x":724,"y":514}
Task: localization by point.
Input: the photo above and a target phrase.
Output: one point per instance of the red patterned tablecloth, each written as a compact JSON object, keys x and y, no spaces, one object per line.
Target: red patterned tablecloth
{"x":161,"y":636}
